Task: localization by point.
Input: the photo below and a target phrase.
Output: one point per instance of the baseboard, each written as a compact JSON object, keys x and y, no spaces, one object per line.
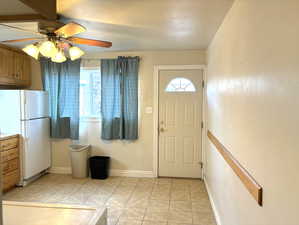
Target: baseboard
{"x":216,"y":214}
{"x":131,"y":173}
{"x":113,"y":173}
{"x":60,"y":170}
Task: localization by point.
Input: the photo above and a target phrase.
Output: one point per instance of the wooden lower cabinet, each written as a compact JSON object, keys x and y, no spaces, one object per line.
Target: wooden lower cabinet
{"x":9,"y":143}
{"x":10,"y":161}
{"x":10,"y":180}
{"x":9,"y":154}
{"x":10,"y":166}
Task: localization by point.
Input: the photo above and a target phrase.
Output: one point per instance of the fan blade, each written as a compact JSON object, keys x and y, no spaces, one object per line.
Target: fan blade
{"x":18,"y":28}
{"x":20,"y":40}
{"x":91,"y":42}
{"x":70,"y":29}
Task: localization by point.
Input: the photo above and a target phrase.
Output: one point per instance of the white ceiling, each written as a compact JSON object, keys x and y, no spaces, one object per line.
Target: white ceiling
{"x":144,"y":24}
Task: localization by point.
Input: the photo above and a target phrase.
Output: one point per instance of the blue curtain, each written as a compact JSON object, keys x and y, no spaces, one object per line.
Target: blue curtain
{"x":119,"y":98}
{"x":62,"y":81}
{"x":110,"y":99}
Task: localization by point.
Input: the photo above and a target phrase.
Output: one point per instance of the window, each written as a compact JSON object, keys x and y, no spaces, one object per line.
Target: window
{"x":90,"y":92}
{"x":180,"y":85}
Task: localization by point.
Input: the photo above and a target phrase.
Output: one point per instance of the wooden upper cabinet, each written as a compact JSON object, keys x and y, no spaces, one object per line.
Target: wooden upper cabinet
{"x":6,"y":58}
{"x":15,"y":68}
{"x":22,"y":69}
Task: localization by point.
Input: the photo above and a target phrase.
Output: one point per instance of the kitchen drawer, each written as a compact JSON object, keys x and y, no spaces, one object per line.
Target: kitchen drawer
{"x":10,"y":165}
{"x":9,"y":154}
{"x":10,"y":180}
{"x":9,"y":143}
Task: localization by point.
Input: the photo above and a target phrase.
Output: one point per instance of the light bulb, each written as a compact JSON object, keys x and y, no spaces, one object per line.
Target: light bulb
{"x":75,"y":53}
{"x":31,"y":50}
{"x":59,"y":57}
{"x":48,"y":49}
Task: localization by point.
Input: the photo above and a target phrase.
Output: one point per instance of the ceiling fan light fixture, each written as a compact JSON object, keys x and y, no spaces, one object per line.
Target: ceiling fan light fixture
{"x":75,"y":53}
{"x":59,"y":57}
{"x":32,"y":50}
{"x":48,"y":49}
{"x":59,"y":37}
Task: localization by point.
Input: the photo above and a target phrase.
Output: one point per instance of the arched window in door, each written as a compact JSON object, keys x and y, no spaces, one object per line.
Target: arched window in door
{"x":180,"y":84}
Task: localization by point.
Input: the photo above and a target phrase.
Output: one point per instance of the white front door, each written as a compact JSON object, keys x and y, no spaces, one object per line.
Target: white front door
{"x":180,"y":117}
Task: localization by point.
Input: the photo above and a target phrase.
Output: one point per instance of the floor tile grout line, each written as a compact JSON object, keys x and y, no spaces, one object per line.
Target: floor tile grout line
{"x":112,"y":186}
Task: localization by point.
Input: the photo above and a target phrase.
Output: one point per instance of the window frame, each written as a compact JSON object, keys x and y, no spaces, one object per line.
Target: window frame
{"x":170,"y":85}
{"x":89,"y":118}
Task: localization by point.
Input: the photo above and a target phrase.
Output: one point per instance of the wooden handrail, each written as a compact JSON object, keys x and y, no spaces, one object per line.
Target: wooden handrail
{"x":252,"y":186}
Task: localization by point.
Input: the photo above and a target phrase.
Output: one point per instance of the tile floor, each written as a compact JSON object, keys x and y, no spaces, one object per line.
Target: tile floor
{"x":130,"y":201}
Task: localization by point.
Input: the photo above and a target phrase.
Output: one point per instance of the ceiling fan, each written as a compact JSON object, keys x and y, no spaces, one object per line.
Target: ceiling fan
{"x":57,"y":39}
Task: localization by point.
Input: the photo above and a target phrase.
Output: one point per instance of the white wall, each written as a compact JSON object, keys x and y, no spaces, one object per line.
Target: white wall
{"x":253,"y":109}
{"x":136,"y":155}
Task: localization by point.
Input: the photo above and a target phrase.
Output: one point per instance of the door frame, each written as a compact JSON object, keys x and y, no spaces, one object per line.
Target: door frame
{"x":157,"y":69}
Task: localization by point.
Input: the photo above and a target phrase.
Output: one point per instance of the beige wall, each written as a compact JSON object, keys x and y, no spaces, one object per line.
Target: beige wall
{"x":36,"y":79}
{"x":253,"y":109}
{"x":128,"y":155}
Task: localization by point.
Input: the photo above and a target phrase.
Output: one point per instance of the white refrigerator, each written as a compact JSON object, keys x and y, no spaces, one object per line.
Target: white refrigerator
{"x":26,"y":112}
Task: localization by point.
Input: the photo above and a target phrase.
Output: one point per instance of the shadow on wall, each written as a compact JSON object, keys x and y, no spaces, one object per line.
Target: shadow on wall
{"x":124,"y":154}
{"x":90,"y":133}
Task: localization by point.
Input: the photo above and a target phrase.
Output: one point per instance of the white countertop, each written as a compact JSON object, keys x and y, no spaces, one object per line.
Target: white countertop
{"x":28,"y":213}
{"x":4,"y":136}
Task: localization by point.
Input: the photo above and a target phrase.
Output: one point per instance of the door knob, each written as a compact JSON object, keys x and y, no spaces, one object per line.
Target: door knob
{"x":161,"y":128}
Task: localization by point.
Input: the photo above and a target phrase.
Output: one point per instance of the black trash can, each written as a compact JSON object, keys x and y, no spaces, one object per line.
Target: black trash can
{"x":99,"y":167}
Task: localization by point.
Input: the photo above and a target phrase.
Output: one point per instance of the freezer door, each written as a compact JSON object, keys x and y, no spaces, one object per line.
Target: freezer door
{"x":35,"y":104}
{"x":37,"y":148}
{"x":10,"y":111}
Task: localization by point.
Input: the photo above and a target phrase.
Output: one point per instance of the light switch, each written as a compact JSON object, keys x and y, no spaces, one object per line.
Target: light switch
{"x":149,"y":110}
